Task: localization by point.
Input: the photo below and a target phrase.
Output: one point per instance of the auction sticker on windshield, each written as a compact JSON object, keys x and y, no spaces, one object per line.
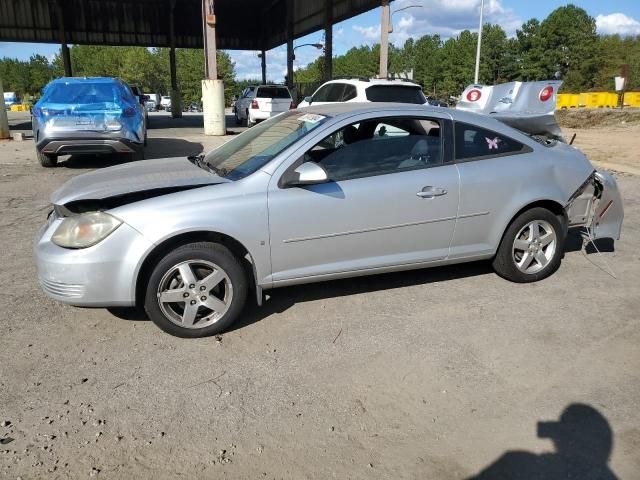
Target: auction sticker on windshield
{"x":311,"y":118}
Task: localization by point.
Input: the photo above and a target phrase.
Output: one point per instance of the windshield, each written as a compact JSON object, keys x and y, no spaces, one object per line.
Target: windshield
{"x":85,"y":93}
{"x":273,"y":92}
{"x":257,"y":146}
{"x":395,"y":93}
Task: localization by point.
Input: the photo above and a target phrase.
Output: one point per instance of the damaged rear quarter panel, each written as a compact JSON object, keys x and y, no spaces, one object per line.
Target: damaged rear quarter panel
{"x":494,"y":190}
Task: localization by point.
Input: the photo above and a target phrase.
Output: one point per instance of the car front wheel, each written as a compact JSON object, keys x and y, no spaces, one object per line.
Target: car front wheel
{"x":532,"y":247}
{"x":196,"y":290}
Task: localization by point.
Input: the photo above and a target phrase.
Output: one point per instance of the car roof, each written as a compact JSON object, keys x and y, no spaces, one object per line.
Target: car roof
{"x":70,"y":80}
{"x":374,"y":81}
{"x":339,"y":109}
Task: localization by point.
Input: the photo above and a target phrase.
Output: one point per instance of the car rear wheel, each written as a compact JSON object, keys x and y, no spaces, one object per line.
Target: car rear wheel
{"x":238,"y":119}
{"x":196,"y":290}
{"x":532,"y":247}
{"x":250,"y":123}
{"x":47,"y":161}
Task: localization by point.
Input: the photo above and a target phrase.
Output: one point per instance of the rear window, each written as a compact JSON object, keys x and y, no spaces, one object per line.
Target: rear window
{"x":395,"y":93}
{"x":476,"y":142}
{"x":273,"y":92}
{"x":85,"y":93}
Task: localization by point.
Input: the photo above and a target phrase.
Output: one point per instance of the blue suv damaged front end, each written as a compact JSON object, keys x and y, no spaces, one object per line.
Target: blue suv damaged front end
{"x":87,"y":116}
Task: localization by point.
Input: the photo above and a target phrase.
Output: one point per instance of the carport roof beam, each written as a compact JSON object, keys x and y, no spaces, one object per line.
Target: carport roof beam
{"x":242,"y":25}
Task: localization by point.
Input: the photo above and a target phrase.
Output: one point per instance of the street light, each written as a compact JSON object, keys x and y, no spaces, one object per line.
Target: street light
{"x":319,"y":46}
{"x":386,"y":27}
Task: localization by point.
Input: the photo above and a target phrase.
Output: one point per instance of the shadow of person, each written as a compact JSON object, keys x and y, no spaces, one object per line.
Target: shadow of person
{"x":583,"y":441}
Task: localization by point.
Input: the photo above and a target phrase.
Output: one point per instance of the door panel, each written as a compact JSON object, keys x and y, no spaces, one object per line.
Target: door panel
{"x":362,"y":223}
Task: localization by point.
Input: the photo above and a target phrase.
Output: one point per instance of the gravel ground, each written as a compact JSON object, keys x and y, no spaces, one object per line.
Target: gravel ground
{"x":432,"y":374}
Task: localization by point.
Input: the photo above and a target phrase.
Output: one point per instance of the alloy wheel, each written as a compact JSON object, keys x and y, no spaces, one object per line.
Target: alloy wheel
{"x":534,"y":246}
{"x":195,"y":294}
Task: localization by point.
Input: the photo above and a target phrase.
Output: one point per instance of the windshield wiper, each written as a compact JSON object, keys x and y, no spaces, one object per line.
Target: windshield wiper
{"x":198,"y":161}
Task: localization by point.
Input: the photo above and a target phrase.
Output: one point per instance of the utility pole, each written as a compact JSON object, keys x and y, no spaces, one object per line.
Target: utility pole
{"x":479,"y":43}
{"x":384,"y":38}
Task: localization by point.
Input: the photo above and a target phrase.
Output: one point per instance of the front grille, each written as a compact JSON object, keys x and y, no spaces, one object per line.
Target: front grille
{"x":59,"y":289}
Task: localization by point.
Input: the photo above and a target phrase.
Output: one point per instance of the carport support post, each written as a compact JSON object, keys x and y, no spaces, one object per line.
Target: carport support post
{"x":176,"y":101}
{"x":66,"y":56}
{"x":212,"y":88}
{"x":328,"y":40}
{"x":4,"y":121}
{"x":263,"y":64}
{"x":384,"y":39}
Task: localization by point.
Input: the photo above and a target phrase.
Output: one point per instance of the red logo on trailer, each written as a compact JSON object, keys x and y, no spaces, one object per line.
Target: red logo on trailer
{"x":474,"y":95}
{"x":546,"y":93}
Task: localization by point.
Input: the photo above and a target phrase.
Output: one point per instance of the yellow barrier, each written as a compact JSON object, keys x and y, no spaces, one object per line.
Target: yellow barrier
{"x":567,"y":100}
{"x":19,"y":108}
{"x":598,"y":100}
{"x":632,"y":99}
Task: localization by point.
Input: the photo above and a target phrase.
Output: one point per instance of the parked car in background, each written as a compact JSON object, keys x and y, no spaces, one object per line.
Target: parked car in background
{"x":165,"y":102}
{"x":262,"y":102}
{"x":10,"y":98}
{"x":150,"y":106}
{"x":88,"y":116}
{"x":316,"y":194}
{"x":365,"y":90}
{"x":434,"y":102}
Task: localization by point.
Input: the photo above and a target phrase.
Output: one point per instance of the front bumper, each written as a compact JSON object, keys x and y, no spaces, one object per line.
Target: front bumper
{"x":102,"y":275}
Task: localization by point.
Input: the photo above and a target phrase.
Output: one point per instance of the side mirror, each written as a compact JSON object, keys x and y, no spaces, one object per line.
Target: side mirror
{"x":308,"y":100}
{"x":309,"y":173}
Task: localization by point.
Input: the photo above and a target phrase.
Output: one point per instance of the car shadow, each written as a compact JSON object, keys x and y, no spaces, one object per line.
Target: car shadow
{"x":156,"y":148}
{"x":583,"y":441}
{"x":164,"y":120}
{"x":575,"y":241}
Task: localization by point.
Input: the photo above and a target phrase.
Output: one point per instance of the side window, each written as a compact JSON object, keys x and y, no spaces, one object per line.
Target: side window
{"x":379,"y":147}
{"x":349,"y":92}
{"x":474,"y":142}
{"x":331,"y":92}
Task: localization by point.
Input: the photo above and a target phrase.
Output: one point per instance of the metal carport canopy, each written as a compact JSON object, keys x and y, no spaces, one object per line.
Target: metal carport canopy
{"x":240,"y":24}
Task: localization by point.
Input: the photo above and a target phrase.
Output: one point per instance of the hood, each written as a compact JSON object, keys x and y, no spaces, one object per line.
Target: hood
{"x":167,"y":174}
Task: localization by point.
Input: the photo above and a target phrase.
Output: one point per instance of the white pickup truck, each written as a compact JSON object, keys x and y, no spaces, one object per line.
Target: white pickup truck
{"x":262,"y":102}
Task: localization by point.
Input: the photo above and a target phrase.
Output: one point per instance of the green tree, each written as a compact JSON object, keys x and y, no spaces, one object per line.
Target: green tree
{"x":571,"y":47}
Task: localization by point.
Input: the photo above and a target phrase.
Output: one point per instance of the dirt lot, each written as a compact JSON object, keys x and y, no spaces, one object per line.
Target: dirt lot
{"x":432,"y":374}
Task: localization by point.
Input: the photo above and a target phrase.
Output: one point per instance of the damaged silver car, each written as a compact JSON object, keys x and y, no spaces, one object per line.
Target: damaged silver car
{"x":315,"y":194}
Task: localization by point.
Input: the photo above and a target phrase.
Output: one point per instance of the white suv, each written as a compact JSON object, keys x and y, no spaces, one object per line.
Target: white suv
{"x":262,"y":102}
{"x":364,"y":90}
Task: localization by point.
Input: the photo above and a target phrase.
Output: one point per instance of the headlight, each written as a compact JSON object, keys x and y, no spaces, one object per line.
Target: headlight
{"x":85,"y":230}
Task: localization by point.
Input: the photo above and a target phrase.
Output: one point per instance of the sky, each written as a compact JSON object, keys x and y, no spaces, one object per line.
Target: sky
{"x":444,"y":17}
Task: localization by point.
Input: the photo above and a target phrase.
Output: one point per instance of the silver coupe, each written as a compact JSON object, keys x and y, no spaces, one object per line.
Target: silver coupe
{"x":315,"y":194}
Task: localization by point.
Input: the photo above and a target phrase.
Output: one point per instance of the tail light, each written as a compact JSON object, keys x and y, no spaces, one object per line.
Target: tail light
{"x":254,"y":104}
{"x":292,"y":105}
{"x":129,"y":112}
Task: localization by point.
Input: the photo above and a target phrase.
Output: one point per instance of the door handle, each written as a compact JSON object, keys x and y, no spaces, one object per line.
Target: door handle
{"x":430,"y":192}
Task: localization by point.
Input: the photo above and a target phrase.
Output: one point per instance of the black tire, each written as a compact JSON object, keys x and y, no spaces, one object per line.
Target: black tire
{"x":47,"y":161}
{"x":249,"y":122}
{"x":504,"y":263}
{"x":137,"y":155}
{"x":194,"y":252}
{"x":238,"y":119}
